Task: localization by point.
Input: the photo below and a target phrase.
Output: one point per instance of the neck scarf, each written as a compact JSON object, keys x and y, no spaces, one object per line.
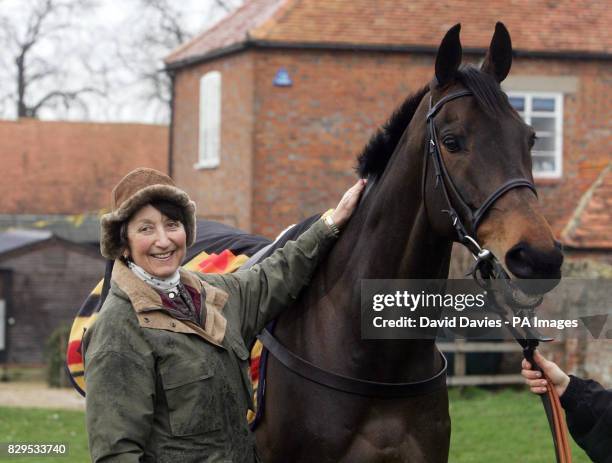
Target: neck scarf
{"x":163,"y":284}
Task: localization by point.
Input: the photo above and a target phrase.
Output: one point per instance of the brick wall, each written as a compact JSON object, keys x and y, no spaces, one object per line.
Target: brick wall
{"x":222,"y":193}
{"x":293,"y":148}
{"x":49,"y":282}
{"x":68,"y":167}
{"x":307,"y":136}
{"x":311,"y":132}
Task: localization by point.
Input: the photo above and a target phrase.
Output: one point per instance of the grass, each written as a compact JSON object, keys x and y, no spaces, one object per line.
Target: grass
{"x":504,"y":427}
{"x":21,"y":425}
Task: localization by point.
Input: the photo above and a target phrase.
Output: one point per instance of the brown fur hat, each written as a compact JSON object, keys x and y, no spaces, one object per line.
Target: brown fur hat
{"x":137,"y":189}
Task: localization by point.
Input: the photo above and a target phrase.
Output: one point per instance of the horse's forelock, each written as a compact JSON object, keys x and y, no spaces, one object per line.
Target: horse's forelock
{"x":487,"y":92}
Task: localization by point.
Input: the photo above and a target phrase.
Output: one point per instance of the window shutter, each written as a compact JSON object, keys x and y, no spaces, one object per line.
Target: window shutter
{"x":210,"y":120}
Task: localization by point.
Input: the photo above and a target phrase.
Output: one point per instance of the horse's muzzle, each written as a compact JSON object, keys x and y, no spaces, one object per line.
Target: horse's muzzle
{"x":528,"y":264}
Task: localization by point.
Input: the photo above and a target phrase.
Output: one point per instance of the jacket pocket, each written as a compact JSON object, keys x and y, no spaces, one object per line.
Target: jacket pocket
{"x":190,"y":392}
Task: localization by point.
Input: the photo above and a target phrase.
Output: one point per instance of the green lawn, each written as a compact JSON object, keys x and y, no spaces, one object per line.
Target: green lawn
{"x":503,"y":427}
{"x":45,"y":426}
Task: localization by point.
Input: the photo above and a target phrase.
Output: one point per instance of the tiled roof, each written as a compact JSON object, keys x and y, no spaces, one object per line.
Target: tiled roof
{"x":232,"y":30}
{"x":535,"y":26}
{"x":589,"y":226}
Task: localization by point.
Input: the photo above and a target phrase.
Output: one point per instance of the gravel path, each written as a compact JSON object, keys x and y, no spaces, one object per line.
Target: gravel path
{"x":39,"y":395}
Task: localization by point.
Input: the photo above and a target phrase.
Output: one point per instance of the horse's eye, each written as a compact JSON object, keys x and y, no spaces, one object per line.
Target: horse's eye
{"x":451,"y":144}
{"x":532,"y":140}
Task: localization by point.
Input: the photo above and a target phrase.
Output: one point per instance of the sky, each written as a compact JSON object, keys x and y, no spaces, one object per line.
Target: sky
{"x":105,"y":37}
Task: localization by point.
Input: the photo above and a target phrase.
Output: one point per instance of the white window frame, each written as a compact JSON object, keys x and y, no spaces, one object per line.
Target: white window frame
{"x":209,"y":130}
{"x":527,"y":115}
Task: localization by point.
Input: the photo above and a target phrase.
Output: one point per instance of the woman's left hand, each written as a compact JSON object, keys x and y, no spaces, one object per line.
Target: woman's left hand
{"x":348,"y":203}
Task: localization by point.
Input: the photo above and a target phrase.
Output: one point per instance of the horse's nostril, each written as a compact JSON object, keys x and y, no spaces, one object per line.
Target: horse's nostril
{"x":518,"y":262}
{"x":526,"y":262}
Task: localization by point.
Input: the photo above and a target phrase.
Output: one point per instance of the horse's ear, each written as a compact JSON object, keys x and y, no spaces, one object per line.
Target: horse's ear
{"x":498,"y":60}
{"x":449,"y":56}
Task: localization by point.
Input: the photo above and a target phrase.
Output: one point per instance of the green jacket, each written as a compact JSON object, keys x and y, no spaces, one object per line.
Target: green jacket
{"x":165,"y":390}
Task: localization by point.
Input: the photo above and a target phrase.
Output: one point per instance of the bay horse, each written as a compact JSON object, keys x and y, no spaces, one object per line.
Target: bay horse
{"x":402,"y":230}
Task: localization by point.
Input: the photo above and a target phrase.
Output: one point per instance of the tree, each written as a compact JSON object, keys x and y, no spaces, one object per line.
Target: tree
{"x":157,"y":28}
{"x":37,"y":36}
{"x":94,"y":59}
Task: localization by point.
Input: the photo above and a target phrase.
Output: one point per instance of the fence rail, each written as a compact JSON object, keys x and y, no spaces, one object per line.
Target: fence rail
{"x":460,"y":348}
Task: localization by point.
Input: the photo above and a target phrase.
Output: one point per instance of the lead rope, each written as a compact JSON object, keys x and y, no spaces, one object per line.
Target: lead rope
{"x":554,"y":411}
{"x":487,"y":268}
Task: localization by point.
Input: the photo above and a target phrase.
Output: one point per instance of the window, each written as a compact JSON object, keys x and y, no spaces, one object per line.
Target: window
{"x":210,"y":120}
{"x":544,"y":112}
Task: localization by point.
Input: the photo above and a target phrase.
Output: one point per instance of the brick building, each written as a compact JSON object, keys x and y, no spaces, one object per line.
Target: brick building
{"x":291,"y":92}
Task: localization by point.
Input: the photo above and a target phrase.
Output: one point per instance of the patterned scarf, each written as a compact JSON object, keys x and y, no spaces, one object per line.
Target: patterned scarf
{"x":167,"y":285}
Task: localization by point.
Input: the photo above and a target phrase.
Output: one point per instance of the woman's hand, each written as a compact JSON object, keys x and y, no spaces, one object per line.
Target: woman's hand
{"x":536,"y":381}
{"x":348,"y":203}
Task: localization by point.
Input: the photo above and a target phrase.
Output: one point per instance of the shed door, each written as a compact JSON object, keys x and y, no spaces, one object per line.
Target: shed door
{"x":2,"y":325}
{"x":5,"y":291}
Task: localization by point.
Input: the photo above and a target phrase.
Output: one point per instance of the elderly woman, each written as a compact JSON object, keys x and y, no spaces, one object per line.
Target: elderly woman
{"x":166,"y":362}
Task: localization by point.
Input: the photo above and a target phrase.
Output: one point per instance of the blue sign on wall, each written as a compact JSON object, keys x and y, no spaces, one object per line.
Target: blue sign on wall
{"x":282,"y":79}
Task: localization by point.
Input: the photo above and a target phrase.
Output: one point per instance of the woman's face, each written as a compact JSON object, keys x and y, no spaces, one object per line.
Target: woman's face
{"x":156,"y":243}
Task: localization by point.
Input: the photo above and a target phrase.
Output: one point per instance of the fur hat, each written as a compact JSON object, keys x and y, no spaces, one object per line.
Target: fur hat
{"x":137,"y":189}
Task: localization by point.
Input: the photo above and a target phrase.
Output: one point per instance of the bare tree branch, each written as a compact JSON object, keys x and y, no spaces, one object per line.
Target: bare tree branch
{"x":46,"y":23}
{"x":66,"y":97}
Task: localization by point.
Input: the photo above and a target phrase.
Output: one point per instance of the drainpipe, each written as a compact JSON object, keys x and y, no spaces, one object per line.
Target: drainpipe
{"x":171,"y":74}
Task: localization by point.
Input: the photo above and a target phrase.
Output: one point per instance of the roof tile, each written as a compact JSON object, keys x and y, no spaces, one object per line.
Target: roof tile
{"x":589,"y":226}
{"x":562,"y":25}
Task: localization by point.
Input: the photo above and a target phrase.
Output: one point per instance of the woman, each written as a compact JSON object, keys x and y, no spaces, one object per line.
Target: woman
{"x":587,"y":405}
{"x":166,"y":362}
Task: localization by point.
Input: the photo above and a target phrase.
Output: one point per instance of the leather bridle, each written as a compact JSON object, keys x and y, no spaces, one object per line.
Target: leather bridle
{"x":487,"y":267}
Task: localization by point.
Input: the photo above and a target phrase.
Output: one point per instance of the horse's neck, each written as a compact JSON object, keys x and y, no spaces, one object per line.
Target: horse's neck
{"x":389,"y":237}
{"x":391,"y":233}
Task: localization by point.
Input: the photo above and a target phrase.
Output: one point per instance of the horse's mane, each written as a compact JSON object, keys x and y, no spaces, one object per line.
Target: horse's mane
{"x":376,"y":154}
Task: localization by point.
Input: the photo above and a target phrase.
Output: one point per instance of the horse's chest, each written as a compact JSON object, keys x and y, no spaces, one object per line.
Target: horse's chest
{"x":383,"y":441}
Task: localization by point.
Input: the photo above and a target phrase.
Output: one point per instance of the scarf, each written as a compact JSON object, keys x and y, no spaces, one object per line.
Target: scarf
{"x":167,"y":285}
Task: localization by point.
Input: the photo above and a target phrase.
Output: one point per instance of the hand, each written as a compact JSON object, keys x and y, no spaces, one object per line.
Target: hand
{"x":348,"y":203}
{"x":535,"y":380}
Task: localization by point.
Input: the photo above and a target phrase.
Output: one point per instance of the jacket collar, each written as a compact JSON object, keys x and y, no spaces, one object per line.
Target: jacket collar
{"x":147,"y":304}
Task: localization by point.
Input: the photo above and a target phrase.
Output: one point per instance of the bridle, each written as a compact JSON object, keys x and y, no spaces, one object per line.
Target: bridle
{"x":486,"y":268}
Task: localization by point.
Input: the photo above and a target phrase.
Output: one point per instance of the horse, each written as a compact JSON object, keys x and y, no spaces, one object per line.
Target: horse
{"x":402,"y":229}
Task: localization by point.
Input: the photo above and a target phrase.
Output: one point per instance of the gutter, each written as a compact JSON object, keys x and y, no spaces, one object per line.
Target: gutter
{"x":414,"y":49}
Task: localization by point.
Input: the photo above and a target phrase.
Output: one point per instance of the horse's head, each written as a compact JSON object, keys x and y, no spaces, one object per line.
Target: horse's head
{"x":483,"y":147}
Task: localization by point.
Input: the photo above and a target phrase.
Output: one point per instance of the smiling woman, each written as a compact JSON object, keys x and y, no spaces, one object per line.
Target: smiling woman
{"x":156,"y":239}
{"x":166,"y":363}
